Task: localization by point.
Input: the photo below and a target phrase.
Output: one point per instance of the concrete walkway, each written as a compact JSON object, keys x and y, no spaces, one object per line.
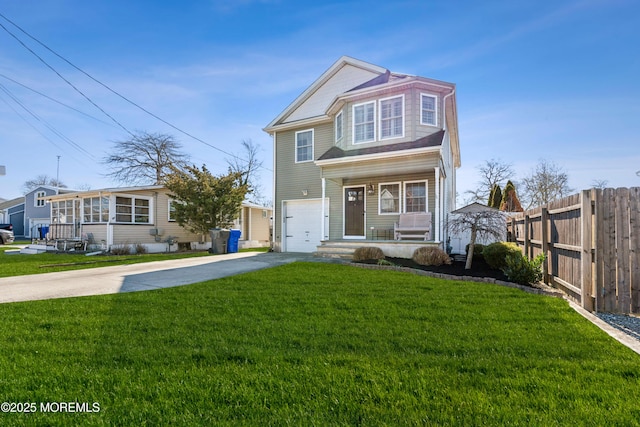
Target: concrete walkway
{"x":137,"y":277}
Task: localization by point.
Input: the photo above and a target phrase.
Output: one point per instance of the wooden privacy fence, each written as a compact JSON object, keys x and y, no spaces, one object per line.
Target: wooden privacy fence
{"x":591,"y":241}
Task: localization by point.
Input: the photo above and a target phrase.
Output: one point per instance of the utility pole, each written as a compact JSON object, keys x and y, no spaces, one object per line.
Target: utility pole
{"x":3,"y":170}
{"x":58,"y":173}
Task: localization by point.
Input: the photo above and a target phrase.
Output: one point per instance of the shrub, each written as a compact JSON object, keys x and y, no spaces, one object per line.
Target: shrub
{"x":496,"y":253}
{"x":520,"y":270}
{"x":477,"y":250}
{"x":431,"y":255}
{"x":140,"y":248}
{"x":367,"y":253}
{"x":121,"y":250}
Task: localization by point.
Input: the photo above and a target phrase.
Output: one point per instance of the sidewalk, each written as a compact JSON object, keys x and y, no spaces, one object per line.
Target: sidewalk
{"x":137,"y":277}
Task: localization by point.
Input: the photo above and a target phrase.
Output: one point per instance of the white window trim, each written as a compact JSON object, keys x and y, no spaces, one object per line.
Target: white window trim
{"x":435,"y":103}
{"x":313,"y":145}
{"x":133,"y":212}
{"x":169,"y":203}
{"x":400,"y":199}
{"x":353,"y":123}
{"x":426,"y":194}
{"x":38,"y":198}
{"x":339,"y":118}
{"x":403,"y":116}
{"x":108,"y":206}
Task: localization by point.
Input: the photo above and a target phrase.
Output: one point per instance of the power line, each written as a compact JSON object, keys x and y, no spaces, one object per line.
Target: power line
{"x":47,"y":124}
{"x":55,"y":100}
{"x":110,"y":90}
{"x":60,"y":75}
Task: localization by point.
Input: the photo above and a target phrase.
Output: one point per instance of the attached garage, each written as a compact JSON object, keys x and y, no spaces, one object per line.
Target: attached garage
{"x":302,"y":225}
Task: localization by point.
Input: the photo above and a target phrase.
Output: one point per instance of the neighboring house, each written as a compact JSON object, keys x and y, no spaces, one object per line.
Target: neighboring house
{"x":12,"y":212}
{"x":254,"y":222}
{"x":128,"y":216}
{"x":29,"y":214}
{"x":358,"y":148}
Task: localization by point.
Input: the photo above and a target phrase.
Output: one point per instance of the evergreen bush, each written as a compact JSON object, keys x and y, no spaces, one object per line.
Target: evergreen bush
{"x":496,"y":253}
{"x":520,"y":269}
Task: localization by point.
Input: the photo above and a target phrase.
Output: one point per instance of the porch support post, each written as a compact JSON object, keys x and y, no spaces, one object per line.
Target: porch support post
{"x":324,"y":214}
{"x":437,"y":188}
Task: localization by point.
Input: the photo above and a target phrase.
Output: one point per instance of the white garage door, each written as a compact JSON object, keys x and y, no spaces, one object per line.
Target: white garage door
{"x":302,"y":228}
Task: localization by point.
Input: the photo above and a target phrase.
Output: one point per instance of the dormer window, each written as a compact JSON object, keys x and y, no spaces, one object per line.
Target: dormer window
{"x":428,"y":110}
{"x":392,"y":117}
{"x":364,"y":122}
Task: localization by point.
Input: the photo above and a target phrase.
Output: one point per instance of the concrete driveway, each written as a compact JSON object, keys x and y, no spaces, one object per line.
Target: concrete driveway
{"x":137,"y":277}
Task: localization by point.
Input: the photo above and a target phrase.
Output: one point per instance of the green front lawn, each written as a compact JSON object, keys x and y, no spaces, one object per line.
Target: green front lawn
{"x":316,"y":344}
{"x":19,"y":265}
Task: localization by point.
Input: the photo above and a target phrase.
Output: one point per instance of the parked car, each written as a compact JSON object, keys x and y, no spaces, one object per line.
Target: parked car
{"x":6,"y":237}
{"x":6,"y":227}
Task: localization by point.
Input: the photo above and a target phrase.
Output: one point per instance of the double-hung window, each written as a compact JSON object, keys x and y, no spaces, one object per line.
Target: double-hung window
{"x":389,"y":198}
{"x":304,"y":146}
{"x":95,"y":209}
{"x":339,"y":126}
{"x":133,"y":210}
{"x":428,"y":110}
{"x":364,"y":122}
{"x":392,"y":117}
{"x":39,"y":199}
{"x":415,"y":196}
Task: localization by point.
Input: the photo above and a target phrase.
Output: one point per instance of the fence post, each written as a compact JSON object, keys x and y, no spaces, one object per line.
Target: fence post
{"x":544,"y":238}
{"x":526,"y":236}
{"x":586,"y":216}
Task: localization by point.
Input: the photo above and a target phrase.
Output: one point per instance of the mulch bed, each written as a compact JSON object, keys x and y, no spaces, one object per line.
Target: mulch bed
{"x":479,"y":268}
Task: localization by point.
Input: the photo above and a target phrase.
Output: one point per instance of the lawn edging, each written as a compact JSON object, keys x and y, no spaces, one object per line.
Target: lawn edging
{"x":542,"y":289}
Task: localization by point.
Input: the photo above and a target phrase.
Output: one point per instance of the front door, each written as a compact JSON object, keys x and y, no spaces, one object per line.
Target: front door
{"x":354,"y":212}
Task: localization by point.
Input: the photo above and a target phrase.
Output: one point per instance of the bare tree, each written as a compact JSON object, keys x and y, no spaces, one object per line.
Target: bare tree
{"x":247,"y":165}
{"x":599,"y":183}
{"x":546,"y":183}
{"x":42,"y":180}
{"x":493,"y":173}
{"x":145,"y":158}
{"x":484,"y":223}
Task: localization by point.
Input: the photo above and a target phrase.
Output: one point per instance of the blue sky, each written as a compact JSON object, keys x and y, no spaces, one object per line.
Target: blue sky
{"x":554,"y":80}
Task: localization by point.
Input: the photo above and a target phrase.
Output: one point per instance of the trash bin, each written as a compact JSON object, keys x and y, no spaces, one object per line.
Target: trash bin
{"x":219,"y":239}
{"x":234,"y":237}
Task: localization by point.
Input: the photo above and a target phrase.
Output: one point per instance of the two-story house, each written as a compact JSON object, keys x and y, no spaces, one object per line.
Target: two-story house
{"x":358,"y":148}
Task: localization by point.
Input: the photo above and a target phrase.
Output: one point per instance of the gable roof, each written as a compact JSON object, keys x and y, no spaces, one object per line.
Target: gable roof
{"x":345,"y":74}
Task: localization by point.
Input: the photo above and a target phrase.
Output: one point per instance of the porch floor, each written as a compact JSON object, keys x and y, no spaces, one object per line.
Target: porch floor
{"x":392,"y":248}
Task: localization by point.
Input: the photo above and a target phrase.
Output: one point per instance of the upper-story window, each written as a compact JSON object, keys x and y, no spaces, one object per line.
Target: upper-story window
{"x":39,"y":199}
{"x":392,"y":117}
{"x":364,"y":125}
{"x":339,"y":126}
{"x":428,"y":110}
{"x":304,"y":146}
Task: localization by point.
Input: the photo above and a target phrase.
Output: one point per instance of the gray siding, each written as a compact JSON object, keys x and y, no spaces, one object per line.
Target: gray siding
{"x":293,"y":178}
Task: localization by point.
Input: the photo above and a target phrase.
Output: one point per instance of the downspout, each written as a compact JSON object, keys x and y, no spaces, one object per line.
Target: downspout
{"x":324,"y":189}
{"x":444,"y":127}
{"x":437,"y":189}
{"x":274,"y":222}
